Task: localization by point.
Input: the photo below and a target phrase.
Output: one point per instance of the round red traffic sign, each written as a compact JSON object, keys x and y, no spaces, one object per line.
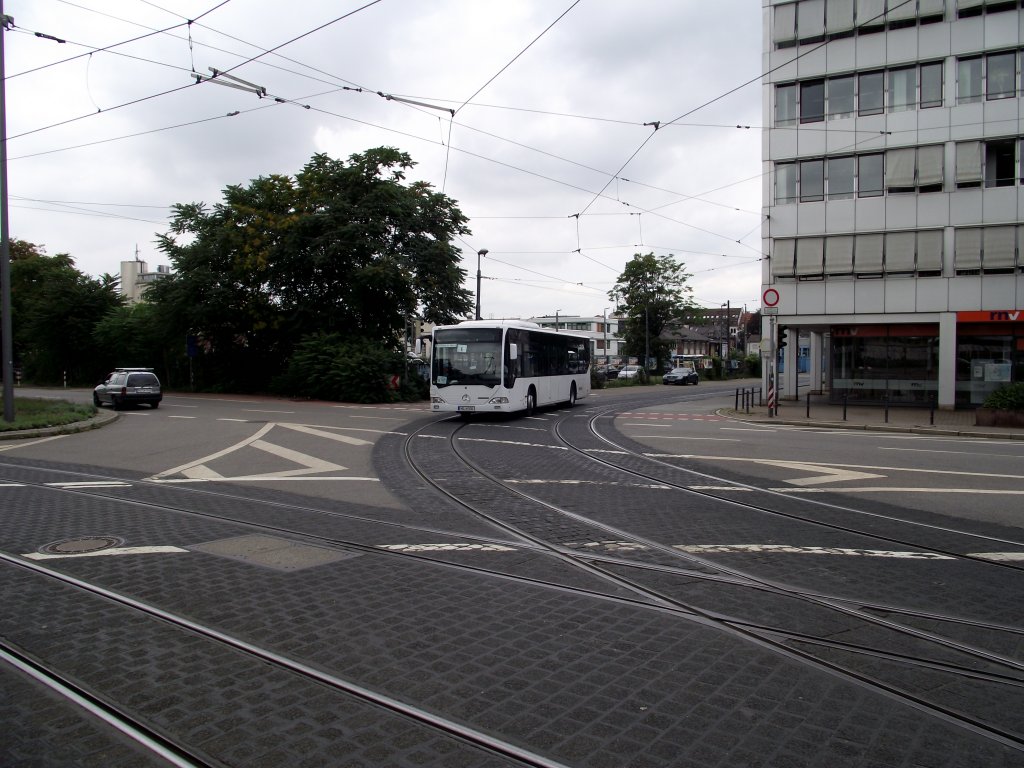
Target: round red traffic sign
{"x":770,"y":297}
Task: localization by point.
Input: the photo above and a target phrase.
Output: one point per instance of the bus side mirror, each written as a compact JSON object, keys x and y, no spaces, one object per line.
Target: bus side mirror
{"x":513,"y":351}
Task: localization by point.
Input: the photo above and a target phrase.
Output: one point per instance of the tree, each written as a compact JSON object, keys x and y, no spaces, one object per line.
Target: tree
{"x":54,"y":309}
{"x":652,"y":294}
{"x":344,"y":247}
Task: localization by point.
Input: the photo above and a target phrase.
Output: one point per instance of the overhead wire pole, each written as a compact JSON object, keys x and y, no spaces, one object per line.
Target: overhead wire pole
{"x":7,"y":341}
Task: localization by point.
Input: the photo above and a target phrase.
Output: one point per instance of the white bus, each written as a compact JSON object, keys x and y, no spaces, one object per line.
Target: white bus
{"x":501,"y":366}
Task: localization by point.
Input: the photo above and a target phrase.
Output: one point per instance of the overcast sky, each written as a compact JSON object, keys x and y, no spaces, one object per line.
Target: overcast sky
{"x":548,"y":153}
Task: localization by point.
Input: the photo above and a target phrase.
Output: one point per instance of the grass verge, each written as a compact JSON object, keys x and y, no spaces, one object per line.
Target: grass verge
{"x":36,"y":413}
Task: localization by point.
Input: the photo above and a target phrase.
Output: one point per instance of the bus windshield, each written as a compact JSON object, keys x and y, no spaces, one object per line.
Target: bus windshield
{"x":466,"y":356}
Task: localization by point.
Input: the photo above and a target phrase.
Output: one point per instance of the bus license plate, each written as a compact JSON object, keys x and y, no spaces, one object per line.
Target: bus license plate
{"x":467,"y":407}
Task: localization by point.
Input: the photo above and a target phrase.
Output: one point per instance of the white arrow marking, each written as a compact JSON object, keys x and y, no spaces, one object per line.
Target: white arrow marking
{"x":831,"y":474}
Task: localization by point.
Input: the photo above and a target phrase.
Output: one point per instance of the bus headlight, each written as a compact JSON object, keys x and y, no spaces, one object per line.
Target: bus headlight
{"x":436,"y":400}
{"x":498,"y":401}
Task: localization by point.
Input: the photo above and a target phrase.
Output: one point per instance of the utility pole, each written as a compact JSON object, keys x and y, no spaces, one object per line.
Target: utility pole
{"x":6,"y":337}
{"x":480,"y":253}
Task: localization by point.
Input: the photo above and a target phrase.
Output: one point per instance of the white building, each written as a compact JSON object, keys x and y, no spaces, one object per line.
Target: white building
{"x":602,"y":330}
{"x":892,"y":186}
{"x":136,"y":278}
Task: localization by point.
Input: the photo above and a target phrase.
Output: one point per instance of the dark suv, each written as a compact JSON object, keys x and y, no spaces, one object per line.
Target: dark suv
{"x":128,"y":386}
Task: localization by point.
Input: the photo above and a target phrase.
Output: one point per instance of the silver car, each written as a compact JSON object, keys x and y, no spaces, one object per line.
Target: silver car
{"x":632,"y":372}
{"x":128,"y":386}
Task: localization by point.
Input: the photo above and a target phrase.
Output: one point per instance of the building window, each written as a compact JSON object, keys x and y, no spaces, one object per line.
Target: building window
{"x":812,"y":181}
{"x":812,"y":101}
{"x":1000,"y":163}
{"x":840,"y":96}
{"x":931,"y":85}
{"x":870,"y":175}
{"x":968,"y":80}
{"x":785,"y":104}
{"x":902,"y":89}
{"x":968,"y":164}
{"x":1001,"y":76}
{"x":785,"y":183}
{"x":871,"y":93}
{"x":840,"y":177}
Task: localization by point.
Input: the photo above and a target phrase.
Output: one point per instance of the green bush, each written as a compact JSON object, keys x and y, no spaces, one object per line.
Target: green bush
{"x":1007,"y":398}
{"x":326,"y":367}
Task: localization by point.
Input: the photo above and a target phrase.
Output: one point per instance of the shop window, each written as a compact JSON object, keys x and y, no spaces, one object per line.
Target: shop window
{"x":871,"y":93}
{"x":902,"y":89}
{"x":968,"y":80}
{"x":812,"y":101}
{"x":840,"y":177}
{"x":840,"y":96}
{"x":1000,"y":163}
{"x":785,"y":182}
{"x":1001,"y":75}
{"x":812,"y":181}
{"x":869,"y":175}
{"x":785,"y":104}
{"x":931,"y":85}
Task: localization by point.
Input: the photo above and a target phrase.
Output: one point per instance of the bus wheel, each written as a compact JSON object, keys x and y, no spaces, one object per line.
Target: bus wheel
{"x":531,"y":402}
{"x":572,"y":394}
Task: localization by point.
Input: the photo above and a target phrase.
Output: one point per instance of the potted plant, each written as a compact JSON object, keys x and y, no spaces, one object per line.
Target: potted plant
{"x":1003,"y":408}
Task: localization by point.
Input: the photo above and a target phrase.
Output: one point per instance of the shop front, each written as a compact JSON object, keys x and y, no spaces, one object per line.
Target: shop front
{"x":898,"y":363}
{"x":989,"y":354}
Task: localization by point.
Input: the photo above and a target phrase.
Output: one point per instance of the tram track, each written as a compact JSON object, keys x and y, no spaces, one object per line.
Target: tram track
{"x":783,"y":639}
{"x":627,"y":582}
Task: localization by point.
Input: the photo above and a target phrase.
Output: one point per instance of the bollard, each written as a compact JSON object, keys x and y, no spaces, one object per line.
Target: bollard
{"x":808,"y":414}
{"x":931,"y":412}
{"x":886,"y":401}
{"x":736,"y":405}
{"x":844,"y":406}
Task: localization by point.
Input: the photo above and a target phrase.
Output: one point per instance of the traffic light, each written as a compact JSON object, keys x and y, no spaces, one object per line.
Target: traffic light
{"x":783,"y":332}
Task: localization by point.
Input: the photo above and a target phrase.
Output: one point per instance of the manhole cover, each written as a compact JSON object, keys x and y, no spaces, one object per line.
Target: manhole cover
{"x":81,"y":544}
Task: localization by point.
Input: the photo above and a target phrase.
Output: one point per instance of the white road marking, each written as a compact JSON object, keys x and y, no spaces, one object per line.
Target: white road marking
{"x":178,"y":405}
{"x":12,"y":485}
{"x":787,"y":549}
{"x":886,"y":489}
{"x":257,"y":478}
{"x":18,"y":444}
{"x":718,"y":488}
{"x":446,"y":547}
{"x":831,"y":475}
{"x":655,"y":486}
{"x":822,"y":466}
{"x":230,"y":449}
{"x":182,"y":417}
{"x":310,"y":464}
{"x":257,"y":410}
{"x":242,"y":421}
{"x":685,"y":437}
{"x":1000,"y":556}
{"x":513,"y":442}
{"x":106,"y":552}
{"x":645,"y":424}
{"x":958,"y":453}
{"x":329,"y":435}
{"x":93,"y":484}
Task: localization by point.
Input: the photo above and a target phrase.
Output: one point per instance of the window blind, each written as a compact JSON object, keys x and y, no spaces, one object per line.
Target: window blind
{"x":929,"y":250}
{"x":968,"y":161}
{"x":967,"y":248}
{"x":998,"y":248}
{"x":809,"y":255}
{"x":839,"y":255}
{"x":868,"y":254}
{"x":782,"y":260}
{"x":899,"y":251}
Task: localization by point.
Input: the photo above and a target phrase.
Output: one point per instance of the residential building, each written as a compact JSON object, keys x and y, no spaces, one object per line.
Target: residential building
{"x":893,"y":203}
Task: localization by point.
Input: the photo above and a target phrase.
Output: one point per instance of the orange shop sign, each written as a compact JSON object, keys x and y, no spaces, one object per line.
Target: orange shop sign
{"x":993,"y":316}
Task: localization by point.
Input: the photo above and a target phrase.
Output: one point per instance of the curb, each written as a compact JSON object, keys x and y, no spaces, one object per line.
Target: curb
{"x":97,"y":421}
{"x":908,"y":429}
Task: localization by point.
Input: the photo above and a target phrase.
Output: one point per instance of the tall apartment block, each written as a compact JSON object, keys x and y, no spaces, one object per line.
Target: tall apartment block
{"x":894,"y":197}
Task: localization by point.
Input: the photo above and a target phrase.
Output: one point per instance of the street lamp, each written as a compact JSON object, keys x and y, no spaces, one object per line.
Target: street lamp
{"x":556,"y":319}
{"x":479,"y":254}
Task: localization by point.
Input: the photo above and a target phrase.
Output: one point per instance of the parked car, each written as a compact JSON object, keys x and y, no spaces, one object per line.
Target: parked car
{"x":609,"y":371}
{"x":633,"y":372}
{"x":128,"y":386}
{"x":683,"y":375}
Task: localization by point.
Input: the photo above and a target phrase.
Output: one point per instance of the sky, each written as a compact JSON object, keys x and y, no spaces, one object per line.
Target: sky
{"x":584,"y":131}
